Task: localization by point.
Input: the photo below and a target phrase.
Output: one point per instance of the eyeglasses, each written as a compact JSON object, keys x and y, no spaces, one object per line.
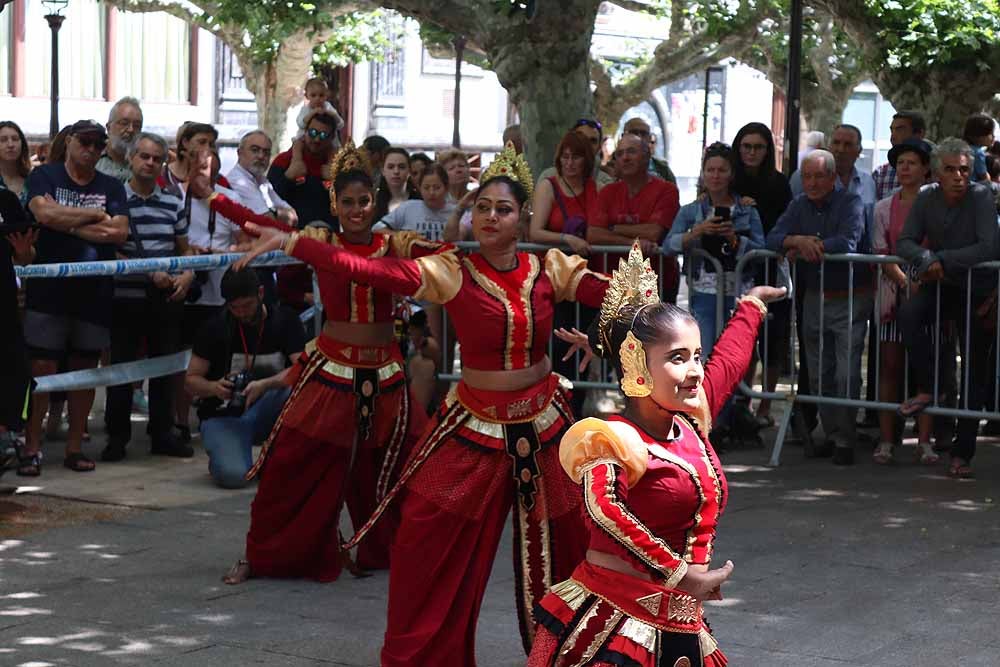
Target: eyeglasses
{"x":589,"y":123}
{"x":752,"y":148}
{"x":125,"y":124}
{"x":263,"y":150}
{"x":91,"y":141}
{"x":322,"y":135}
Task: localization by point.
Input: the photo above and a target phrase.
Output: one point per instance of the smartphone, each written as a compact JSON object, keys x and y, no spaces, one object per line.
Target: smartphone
{"x":784,"y":278}
{"x":723,"y":213}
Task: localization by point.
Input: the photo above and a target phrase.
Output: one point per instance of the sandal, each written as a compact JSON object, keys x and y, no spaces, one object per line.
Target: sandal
{"x":238,"y":573}
{"x":78,"y":462}
{"x":30,"y":465}
{"x":926,"y":454}
{"x":913,"y":406}
{"x":883,"y":453}
{"x":960,"y":469}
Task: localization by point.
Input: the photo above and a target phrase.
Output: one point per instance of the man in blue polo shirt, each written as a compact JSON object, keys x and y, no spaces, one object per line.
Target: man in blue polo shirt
{"x":148,"y":307}
{"x":83,"y":217}
{"x":827,"y":220}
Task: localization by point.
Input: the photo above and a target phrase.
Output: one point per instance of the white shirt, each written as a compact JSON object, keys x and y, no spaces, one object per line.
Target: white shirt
{"x":225,"y":235}
{"x":258,"y":196}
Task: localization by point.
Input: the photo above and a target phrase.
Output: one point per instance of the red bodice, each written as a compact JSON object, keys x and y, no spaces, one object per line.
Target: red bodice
{"x":345,"y":300}
{"x":679,"y":499}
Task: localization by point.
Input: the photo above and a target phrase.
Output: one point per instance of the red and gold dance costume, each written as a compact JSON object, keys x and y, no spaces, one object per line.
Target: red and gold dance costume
{"x":341,"y":435}
{"x":654,"y":505}
{"x":483,"y":452}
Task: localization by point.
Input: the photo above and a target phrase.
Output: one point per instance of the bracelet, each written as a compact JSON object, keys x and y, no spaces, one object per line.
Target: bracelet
{"x":754,"y":301}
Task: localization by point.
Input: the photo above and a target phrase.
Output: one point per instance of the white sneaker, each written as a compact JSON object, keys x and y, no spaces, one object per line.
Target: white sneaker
{"x":883,"y":453}
{"x":926,"y":454}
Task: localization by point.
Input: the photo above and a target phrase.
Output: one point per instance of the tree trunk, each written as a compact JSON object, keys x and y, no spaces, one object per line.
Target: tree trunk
{"x":548,"y":78}
{"x":277,"y":86}
{"x":824,"y":110}
{"x":945,"y":96}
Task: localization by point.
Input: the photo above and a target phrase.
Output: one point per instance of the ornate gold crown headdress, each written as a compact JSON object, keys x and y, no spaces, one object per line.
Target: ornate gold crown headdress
{"x":347,"y":158}
{"x":633,"y":283}
{"x":511,"y":164}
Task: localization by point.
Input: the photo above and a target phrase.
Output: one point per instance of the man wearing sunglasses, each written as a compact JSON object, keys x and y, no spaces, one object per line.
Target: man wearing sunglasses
{"x":299,"y":175}
{"x":84,"y":217}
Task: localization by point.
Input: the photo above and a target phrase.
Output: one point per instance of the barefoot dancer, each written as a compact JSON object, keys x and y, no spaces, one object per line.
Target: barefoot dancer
{"x":653,"y":487}
{"x":491,"y":444}
{"x":340,"y":435}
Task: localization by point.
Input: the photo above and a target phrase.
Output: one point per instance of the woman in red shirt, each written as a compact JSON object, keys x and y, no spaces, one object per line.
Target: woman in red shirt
{"x":491,"y":444}
{"x":653,"y":487}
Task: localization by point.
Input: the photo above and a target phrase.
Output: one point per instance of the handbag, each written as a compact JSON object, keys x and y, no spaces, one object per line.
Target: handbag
{"x":574,"y":225}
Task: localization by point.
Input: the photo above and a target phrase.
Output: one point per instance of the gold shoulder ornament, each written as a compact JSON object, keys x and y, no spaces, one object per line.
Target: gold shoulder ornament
{"x":635,"y":284}
{"x":511,"y":164}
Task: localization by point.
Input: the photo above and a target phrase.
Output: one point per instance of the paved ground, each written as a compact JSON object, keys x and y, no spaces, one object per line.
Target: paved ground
{"x":859,"y":566}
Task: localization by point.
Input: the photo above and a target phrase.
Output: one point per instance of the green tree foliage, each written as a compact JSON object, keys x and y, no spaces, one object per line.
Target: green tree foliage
{"x":357,"y":37}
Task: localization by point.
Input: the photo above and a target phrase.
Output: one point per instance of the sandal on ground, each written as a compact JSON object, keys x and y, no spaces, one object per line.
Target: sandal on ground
{"x":926,"y":454}
{"x":30,"y":465}
{"x":78,"y":462}
{"x":765,"y":421}
{"x":960,"y":469}
{"x":883,"y":453}
{"x":913,"y":406}
{"x":238,"y":573}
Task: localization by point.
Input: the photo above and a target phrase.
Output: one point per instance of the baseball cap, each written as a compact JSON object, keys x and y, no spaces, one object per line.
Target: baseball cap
{"x":911,"y":145}
{"x":88,"y":127}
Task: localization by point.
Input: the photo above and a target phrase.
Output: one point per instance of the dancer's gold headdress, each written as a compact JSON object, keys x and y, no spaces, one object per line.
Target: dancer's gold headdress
{"x":511,"y":164}
{"x":633,"y":283}
{"x":347,"y":158}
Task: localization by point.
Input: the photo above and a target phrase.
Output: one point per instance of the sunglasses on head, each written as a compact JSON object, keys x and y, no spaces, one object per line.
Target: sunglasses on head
{"x":589,"y":123}
{"x":88,"y":141}
{"x":322,"y":135}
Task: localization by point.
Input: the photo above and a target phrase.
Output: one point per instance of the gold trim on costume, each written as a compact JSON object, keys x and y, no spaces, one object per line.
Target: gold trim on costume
{"x":643,"y":634}
{"x":483,"y":427}
{"x":403,"y":243}
{"x":440,"y":278}
{"x":565,"y":273}
{"x":571,"y":592}
{"x":651,"y":602}
{"x":683,"y":608}
{"x":707,"y":642}
{"x":498,"y":293}
{"x":528,"y":600}
{"x":761,"y":306}
{"x":608,"y":524}
{"x":345,"y":372}
{"x":581,"y":625}
{"x":289,"y":245}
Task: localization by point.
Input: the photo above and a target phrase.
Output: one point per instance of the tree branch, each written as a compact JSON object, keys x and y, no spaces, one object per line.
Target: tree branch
{"x":181,"y":11}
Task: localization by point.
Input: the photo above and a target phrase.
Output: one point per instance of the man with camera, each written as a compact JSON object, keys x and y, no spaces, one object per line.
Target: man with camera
{"x":238,"y":367}
{"x":148,"y":307}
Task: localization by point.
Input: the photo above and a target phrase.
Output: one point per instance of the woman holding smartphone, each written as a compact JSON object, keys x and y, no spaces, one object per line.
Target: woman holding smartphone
{"x":718,"y":223}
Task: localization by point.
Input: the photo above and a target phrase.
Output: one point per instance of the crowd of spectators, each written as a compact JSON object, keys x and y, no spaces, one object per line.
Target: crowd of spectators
{"x":112,"y":190}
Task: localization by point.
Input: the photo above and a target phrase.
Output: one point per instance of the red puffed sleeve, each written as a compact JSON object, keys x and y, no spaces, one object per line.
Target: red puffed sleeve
{"x":435,"y":278}
{"x":241,"y":215}
{"x":573,"y":281}
{"x":731,"y":354}
{"x":605,"y":486}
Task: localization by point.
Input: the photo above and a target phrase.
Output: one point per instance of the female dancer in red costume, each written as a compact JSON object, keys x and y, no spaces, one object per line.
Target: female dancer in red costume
{"x":653,"y":487}
{"x":492,"y":442}
{"x":340,"y":435}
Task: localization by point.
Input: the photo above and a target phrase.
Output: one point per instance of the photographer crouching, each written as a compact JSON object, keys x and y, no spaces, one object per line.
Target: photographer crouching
{"x":238,"y":367}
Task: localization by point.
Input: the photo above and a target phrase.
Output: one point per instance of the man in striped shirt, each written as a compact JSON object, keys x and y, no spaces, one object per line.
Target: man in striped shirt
{"x":148,"y":307}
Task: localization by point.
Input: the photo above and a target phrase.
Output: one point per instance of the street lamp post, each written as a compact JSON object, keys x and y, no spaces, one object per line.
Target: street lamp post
{"x":55,"y":20}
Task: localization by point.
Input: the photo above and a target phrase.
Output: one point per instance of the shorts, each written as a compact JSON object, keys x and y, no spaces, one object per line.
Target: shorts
{"x":51,"y":336}
{"x":195,"y":316}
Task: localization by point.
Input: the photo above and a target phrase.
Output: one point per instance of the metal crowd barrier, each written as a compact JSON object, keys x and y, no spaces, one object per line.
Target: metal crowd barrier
{"x":134,"y":371}
{"x":802,"y":395}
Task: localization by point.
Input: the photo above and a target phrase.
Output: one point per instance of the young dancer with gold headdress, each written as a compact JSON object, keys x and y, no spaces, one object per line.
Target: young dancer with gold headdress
{"x":340,"y":437}
{"x":492,"y":443}
{"x":653,"y":487}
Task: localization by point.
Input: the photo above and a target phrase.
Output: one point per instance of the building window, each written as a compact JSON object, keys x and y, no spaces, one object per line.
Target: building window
{"x":388,"y":75}
{"x":82,"y":43}
{"x":6,"y":48}
{"x":152,"y":57}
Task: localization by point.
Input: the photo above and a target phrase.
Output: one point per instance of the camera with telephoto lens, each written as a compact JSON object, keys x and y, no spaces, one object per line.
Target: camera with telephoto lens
{"x":238,"y":403}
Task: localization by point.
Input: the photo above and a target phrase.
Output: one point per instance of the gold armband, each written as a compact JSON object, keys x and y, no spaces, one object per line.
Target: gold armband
{"x":289,"y":243}
{"x":760,"y":305}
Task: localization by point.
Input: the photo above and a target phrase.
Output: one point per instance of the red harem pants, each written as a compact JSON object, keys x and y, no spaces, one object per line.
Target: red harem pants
{"x":323,"y":453}
{"x":453,"y":515}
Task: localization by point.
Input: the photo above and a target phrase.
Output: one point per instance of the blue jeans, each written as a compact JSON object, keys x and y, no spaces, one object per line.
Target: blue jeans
{"x":703,"y":309}
{"x":229,"y":441}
